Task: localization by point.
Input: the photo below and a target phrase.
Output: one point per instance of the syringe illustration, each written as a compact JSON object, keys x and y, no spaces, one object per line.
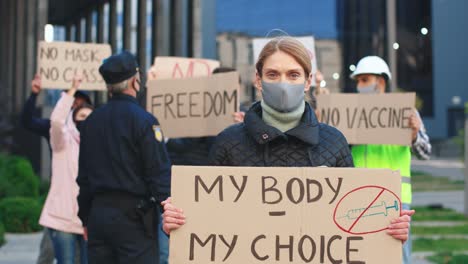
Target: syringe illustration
{"x":378,"y":209}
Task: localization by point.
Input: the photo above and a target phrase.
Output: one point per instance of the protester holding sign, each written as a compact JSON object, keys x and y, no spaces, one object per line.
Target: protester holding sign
{"x":281,"y":130}
{"x":60,"y":211}
{"x":318,"y":85}
{"x":41,"y":127}
{"x":372,"y":76}
{"x":193,"y":150}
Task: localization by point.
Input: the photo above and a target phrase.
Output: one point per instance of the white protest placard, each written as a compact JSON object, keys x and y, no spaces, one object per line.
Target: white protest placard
{"x":58,"y":62}
{"x":179,"y":68}
{"x":194,"y":107}
{"x":285,"y":215}
{"x":308,"y":42}
{"x":369,"y":118}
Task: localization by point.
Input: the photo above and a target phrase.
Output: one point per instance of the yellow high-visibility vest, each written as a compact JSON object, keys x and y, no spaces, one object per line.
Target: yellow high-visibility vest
{"x":387,"y":157}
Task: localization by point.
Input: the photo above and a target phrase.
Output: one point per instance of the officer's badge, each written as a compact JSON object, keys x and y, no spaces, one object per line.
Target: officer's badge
{"x":158,"y":133}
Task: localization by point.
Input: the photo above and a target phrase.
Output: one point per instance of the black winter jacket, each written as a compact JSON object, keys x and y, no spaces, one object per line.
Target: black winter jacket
{"x":254,"y":143}
{"x":190,"y":151}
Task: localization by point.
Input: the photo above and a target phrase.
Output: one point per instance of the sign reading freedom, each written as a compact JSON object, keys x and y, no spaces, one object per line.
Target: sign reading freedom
{"x":194,"y":107}
{"x":369,"y":118}
{"x":285,"y":215}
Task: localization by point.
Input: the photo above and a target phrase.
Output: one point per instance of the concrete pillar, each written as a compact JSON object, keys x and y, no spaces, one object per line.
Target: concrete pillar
{"x":68,"y":33}
{"x":197,"y":29}
{"x":204,"y":29}
{"x":19,"y":55}
{"x":42,"y":15}
{"x":127,"y":24}
{"x":100,"y":24}
{"x":180,"y":27}
{"x":113,"y":25}
{"x":89,"y":27}
{"x":30,"y":45}
{"x":10,"y":56}
{"x":141,"y":33}
{"x":3,"y":45}
{"x":78,"y":29}
{"x":391,"y":38}
{"x":41,"y":21}
{"x":163,"y":32}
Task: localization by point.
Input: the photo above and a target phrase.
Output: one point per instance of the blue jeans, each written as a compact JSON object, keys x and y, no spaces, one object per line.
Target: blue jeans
{"x":408,"y":244}
{"x":46,"y":249}
{"x":64,"y":246}
{"x":163,"y":245}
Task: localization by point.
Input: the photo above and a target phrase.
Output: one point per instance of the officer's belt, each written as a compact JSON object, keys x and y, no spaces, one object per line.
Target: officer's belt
{"x":121,"y":200}
{"x":128,"y":204}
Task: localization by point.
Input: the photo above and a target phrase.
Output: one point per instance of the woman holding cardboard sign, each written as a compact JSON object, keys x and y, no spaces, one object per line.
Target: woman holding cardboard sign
{"x":281,"y":130}
{"x":60,"y":212}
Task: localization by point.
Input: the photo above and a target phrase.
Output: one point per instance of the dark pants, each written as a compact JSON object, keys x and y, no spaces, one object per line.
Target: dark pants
{"x":116,"y":237}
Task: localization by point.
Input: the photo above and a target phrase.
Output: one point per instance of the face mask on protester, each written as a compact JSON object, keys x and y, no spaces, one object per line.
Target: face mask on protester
{"x":283,"y":97}
{"x":370,"y":89}
{"x":79,"y":125}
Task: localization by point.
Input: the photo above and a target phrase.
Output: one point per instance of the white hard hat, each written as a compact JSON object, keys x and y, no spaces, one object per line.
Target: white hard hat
{"x":372,"y":65}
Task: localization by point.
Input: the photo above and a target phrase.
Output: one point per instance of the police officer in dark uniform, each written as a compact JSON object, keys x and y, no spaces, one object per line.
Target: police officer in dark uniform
{"x":124,"y":171}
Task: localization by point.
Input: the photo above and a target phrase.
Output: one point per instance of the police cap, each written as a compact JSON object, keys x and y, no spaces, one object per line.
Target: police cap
{"x":119,"y":67}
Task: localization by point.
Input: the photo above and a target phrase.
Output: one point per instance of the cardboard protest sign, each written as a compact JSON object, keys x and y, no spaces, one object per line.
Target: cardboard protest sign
{"x":179,"y":67}
{"x":285,"y":215}
{"x":308,"y":42}
{"x":194,"y":107}
{"x":59,"y":61}
{"x":369,"y":118}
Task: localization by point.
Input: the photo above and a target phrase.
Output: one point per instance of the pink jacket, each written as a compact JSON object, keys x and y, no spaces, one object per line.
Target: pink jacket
{"x":60,"y":211}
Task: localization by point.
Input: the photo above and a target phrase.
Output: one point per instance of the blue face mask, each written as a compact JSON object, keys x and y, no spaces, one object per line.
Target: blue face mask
{"x":370,"y":89}
{"x":283,"y":97}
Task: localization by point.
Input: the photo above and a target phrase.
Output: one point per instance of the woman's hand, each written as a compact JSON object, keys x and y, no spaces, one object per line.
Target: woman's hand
{"x":36,"y":84}
{"x":173,"y":218}
{"x":76,"y":82}
{"x":238,"y":117}
{"x":399,"y":227}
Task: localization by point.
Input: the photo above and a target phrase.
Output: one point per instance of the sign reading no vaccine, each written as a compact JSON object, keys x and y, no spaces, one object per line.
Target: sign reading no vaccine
{"x":285,"y":215}
{"x":369,"y":118}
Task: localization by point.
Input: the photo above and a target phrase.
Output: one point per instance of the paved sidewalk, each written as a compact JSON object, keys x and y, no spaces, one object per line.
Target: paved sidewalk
{"x":20,"y":248}
{"x":451,"y":168}
{"x":448,"y":199}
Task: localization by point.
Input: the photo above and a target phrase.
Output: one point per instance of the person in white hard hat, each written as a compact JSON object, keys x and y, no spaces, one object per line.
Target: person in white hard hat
{"x":372,"y":75}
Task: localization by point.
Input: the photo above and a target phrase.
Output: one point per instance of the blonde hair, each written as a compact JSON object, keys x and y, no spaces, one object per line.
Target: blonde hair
{"x":288,"y":45}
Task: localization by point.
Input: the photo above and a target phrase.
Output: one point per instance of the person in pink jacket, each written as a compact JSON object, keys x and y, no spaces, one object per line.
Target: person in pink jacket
{"x":60,"y":212}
